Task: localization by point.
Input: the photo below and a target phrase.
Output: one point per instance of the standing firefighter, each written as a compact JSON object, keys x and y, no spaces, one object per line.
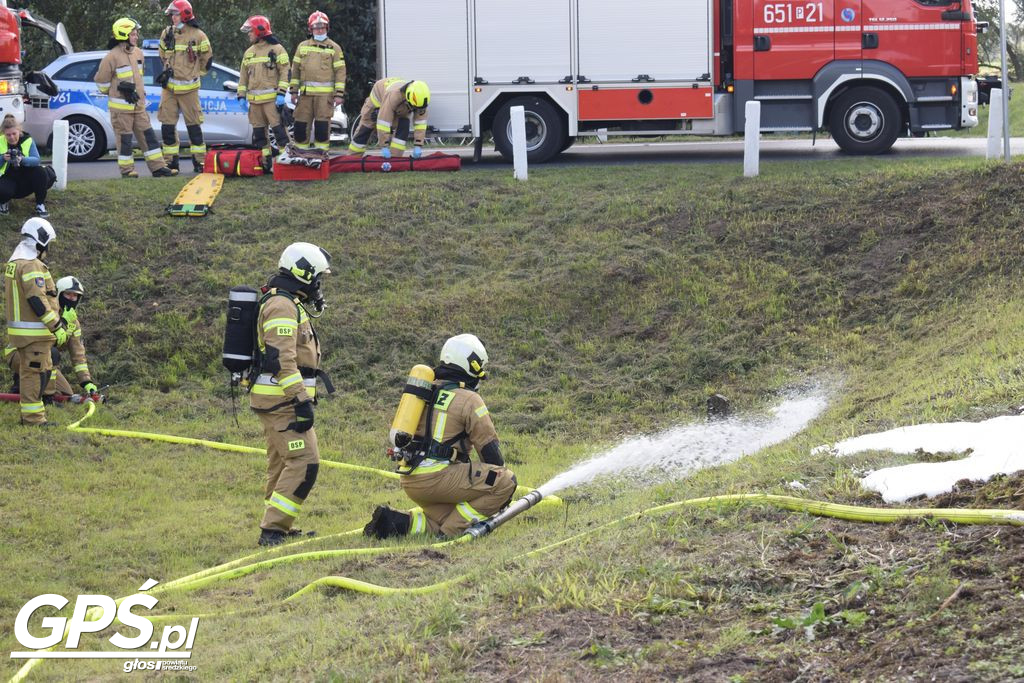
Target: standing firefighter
{"x":436,"y":472}
{"x":264,"y":77}
{"x":317,"y":84}
{"x":186,"y":53}
{"x":69,"y":295}
{"x":33,"y":321}
{"x":285,"y":390}
{"x":392,"y":104}
{"x":119,"y":77}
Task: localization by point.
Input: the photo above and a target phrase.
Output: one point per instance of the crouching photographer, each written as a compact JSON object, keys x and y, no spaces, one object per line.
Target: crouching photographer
{"x":21,"y":173}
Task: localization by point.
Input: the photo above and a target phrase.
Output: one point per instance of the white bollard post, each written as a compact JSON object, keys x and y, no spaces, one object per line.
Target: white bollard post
{"x":752,"y":140}
{"x":995,"y":124}
{"x":59,"y":152}
{"x":519,"y":142}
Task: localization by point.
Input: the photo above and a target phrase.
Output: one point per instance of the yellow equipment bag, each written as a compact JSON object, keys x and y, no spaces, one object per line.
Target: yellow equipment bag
{"x":196,"y":198}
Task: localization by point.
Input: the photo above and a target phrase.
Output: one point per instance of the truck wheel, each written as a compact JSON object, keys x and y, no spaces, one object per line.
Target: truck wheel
{"x":865,"y":121}
{"x":86,"y":141}
{"x":545,"y":131}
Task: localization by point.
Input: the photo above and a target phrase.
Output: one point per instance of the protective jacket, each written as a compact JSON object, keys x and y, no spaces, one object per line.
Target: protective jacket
{"x":26,"y":146}
{"x":76,"y":349}
{"x":188,"y":53}
{"x":123,"y":63}
{"x":30,"y":299}
{"x":318,"y":68}
{"x":459,"y":420}
{"x":388,"y":95}
{"x":289,"y":351}
{"x":264,"y":72}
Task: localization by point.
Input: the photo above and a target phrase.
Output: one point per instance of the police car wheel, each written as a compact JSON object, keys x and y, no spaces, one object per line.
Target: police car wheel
{"x":86,"y":140}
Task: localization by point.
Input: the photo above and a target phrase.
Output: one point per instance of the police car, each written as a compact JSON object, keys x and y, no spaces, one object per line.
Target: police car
{"x":90,"y":134}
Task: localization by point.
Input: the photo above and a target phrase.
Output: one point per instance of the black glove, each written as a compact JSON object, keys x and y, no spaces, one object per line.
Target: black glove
{"x":164,"y":78}
{"x":127,"y":91}
{"x":303,"y":417}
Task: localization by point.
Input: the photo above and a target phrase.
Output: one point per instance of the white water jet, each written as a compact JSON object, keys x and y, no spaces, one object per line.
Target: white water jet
{"x":685,"y":449}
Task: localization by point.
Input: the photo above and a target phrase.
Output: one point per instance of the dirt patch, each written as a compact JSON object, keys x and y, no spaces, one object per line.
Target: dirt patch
{"x":894,"y":600}
{"x":1003,"y":491}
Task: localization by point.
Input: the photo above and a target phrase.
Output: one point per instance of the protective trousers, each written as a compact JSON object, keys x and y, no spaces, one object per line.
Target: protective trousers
{"x":367,"y":126}
{"x":263,"y":115}
{"x":34,"y":374}
{"x":314,"y":112}
{"x":187,"y":104}
{"x":57,"y":383}
{"x":293,"y":461}
{"x":458,"y":496}
{"x":135,"y":123}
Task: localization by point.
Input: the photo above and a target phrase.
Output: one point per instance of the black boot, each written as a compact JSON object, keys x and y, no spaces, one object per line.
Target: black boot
{"x":271,"y":537}
{"x":299,"y":532}
{"x":173,"y":163}
{"x":197,"y":165}
{"x":387,"y":523}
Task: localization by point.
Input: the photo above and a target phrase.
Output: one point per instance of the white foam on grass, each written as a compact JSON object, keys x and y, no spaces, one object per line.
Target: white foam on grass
{"x":685,"y":449}
{"x":996,"y":446}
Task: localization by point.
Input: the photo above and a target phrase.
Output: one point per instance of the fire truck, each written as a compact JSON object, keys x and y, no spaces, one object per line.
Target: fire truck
{"x":14,"y":85}
{"x":867,"y":71}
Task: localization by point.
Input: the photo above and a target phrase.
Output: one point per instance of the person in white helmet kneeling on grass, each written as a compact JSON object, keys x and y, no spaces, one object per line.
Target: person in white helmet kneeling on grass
{"x":450,"y":417}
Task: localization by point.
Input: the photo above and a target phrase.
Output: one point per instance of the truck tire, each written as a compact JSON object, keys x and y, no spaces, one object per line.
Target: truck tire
{"x":865,"y":120}
{"x":545,"y":130}
{"x":86,"y":140}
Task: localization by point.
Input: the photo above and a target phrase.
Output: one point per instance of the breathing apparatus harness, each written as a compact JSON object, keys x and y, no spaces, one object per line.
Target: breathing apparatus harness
{"x":242,"y":355}
{"x":410,"y":453}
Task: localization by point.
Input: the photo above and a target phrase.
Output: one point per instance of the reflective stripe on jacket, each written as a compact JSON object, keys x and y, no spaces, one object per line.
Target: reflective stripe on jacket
{"x":122,"y":63}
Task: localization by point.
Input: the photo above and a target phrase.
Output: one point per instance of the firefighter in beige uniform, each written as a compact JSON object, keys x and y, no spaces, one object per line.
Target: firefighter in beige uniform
{"x":264,"y":76}
{"x":285,"y":390}
{"x":390,"y":106}
{"x":32,"y":321}
{"x":452,"y":491}
{"x":69,"y":295}
{"x":119,"y":77}
{"x":186,"y":53}
{"x":317,"y":83}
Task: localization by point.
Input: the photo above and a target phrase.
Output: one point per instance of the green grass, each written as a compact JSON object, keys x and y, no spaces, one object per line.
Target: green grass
{"x":612,"y":301}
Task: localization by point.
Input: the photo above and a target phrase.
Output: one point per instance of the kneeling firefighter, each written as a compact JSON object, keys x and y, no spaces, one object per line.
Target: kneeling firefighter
{"x":284,"y":390}
{"x":69,"y":295}
{"x":439,"y":418}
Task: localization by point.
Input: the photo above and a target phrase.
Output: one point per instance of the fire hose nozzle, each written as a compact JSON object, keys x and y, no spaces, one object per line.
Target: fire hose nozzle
{"x":488,"y":525}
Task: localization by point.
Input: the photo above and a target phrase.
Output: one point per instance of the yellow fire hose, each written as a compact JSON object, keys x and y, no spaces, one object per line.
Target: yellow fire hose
{"x":853,"y":513}
{"x":230,"y":570}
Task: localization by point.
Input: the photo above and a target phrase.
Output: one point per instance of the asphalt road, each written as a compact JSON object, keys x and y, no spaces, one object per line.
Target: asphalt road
{"x":717,"y":151}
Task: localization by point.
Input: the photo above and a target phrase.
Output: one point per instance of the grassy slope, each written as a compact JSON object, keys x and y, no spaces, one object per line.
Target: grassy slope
{"x":612,"y":301}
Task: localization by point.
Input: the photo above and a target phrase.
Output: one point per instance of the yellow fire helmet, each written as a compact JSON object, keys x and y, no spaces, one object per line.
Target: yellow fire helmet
{"x":417,"y":94}
{"x":123,"y":28}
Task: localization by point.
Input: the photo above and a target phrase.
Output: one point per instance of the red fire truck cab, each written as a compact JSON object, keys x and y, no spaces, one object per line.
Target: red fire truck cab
{"x":867,"y":71}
